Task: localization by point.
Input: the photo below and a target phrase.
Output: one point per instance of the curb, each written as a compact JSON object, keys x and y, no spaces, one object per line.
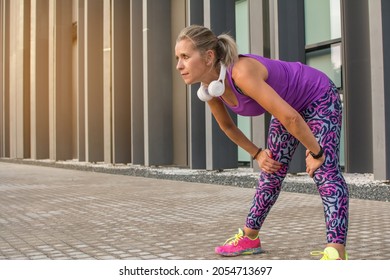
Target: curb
{"x":361,"y":186}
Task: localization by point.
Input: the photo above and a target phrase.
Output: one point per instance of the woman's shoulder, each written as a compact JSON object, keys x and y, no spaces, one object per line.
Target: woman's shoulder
{"x":247,"y":66}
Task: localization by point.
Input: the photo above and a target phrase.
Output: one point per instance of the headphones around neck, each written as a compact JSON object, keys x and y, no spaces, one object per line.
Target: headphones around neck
{"x":215,"y":89}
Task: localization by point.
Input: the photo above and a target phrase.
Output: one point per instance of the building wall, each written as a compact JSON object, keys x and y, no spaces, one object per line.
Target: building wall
{"x":95,"y":80}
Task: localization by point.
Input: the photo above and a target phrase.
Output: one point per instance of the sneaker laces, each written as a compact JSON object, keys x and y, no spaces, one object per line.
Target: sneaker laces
{"x":325,"y":256}
{"x":234,"y":240}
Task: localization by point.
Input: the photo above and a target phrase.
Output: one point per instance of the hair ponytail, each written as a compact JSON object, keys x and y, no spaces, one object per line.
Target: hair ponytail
{"x":227,"y":50}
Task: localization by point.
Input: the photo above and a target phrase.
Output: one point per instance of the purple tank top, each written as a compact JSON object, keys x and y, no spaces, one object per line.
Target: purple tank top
{"x":298,"y":84}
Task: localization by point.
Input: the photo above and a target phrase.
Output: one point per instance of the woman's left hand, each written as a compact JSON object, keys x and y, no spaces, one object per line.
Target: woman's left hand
{"x":313,"y":164}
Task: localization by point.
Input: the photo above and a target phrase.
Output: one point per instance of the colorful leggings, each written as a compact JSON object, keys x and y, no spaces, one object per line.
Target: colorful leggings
{"x":324,"y":119}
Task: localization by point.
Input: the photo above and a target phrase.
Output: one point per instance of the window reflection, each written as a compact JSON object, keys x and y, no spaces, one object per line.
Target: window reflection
{"x":327,"y":60}
{"x":322,"y":21}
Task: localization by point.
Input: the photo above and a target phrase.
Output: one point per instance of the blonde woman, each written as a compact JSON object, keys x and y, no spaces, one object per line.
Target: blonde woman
{"x":305,"y":107}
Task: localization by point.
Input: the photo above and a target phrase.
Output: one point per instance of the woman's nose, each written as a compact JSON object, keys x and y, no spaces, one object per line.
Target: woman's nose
{"x":179,"y":65}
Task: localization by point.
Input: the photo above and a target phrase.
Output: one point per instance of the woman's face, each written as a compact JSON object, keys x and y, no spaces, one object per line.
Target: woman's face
{"x":192,"y":66}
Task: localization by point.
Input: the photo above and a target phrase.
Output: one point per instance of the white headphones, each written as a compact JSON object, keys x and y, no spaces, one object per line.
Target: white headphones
{"x":216,"y":88}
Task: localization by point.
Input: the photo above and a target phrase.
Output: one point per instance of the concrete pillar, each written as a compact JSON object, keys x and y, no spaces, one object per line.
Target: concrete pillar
{"x":221,"y":152}
{"x":39,"y":79}
{"x":1,"y":80}
{"x":60,"y":79}
{"x":5,"y":79}
{"x":80,"y":80}
{"x":379,"y":24}
{"x":107,"y":80}
{"x":157,"y":53}
{"x":19,"y":87}
{"x":357,"y":86}
{"x":2,"y":42}
{"x":116,"y":81}
{"x":258,"y":42}
{"x":384,"y":172}
{"x":179,"y":96}
{"x":291,"y":34}
{"x":196,"y":108}
{"x":136,"y":84}
{"x":93,"y":80}
{"x":121,"y":110}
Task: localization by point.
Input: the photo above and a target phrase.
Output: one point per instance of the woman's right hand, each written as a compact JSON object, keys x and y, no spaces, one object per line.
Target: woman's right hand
{"x":266,"y":163}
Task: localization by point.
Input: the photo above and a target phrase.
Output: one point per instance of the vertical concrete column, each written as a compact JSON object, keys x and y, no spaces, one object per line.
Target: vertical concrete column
{"x":196,"y":108}
{"x":39,"y":79}
{"x":19,"y":86}
{"x":107,"y":80}
{"x":179,"y":97}
{"x":136,"y":84}
{"x":357,"y":86}
{"x":221,"y":152}
{"x":291,"y":33}
{"x":384,"y":172}
{"x":257,"y":41}
{"x":380,"y":85}
{"x":80,"y":80}
{"x":121,"y":110}
{"x":157,"y":54}
{"x":93,"y":75}
{"x":1,"y":79}
{"x":75,"y":116}
{"x":116,"y":82}
{"x":60,"y":79}
{"x":5,"y":67}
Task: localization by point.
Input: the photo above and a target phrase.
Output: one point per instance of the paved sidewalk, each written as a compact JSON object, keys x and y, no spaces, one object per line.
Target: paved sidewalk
{"x":53,"y":213}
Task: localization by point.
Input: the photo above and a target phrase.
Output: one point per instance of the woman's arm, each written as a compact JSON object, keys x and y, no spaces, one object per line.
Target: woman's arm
{"x":250,"y":78}
{"x":250,"y":75}
{"x":228,"y":126}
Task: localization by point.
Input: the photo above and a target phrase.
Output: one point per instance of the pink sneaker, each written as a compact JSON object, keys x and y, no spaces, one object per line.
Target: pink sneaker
{"x":239,"y":245}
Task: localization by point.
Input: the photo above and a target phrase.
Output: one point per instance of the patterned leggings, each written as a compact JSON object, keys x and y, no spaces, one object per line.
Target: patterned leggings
{"x":324,"y":119}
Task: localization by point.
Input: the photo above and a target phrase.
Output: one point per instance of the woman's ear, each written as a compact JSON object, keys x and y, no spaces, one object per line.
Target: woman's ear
{"x":210,"y":55}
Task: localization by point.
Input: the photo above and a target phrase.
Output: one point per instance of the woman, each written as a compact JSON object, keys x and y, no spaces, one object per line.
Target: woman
{"x":305,"y":107}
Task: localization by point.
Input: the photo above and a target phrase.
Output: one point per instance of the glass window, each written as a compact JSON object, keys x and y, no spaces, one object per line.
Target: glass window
{"x":242,"y":26}
{"x":323,"y":44}
{"x":322,"y":21}
{"x":327,"y":60}
{"x":242,"y":39}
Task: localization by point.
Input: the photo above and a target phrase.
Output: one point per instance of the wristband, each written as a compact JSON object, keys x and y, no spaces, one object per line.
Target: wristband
{"x":257,"y":153}
{"x":317,"y":156}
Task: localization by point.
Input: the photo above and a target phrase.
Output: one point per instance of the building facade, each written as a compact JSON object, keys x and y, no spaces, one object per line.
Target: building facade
{"x":95,"y":80}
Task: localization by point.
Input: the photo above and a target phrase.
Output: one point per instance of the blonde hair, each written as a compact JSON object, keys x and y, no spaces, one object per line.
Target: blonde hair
{"x":224,"y":45}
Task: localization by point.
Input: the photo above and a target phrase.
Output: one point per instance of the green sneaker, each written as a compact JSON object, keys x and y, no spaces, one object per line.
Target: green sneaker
{"x":329,"y":254}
